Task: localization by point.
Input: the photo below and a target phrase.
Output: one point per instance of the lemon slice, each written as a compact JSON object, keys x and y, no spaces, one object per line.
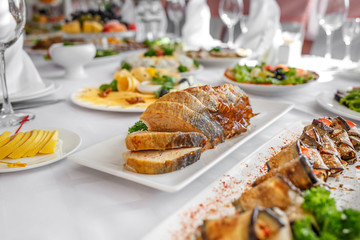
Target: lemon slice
{"x":21,"y":150}
{"x":46,"y":136}
{"x":51,"y":144}
{"x":10,"y":146}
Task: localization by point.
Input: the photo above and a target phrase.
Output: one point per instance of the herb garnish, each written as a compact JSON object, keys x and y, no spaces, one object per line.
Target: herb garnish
{"x":138,"y":126}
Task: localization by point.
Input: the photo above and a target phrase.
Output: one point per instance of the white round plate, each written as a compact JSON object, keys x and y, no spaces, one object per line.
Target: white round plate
{"x":268,"y":90}
{"x":70,"y":143}
{"x":327,"y":101}
{"x":101,"y":108}
{"x":50,"y":88}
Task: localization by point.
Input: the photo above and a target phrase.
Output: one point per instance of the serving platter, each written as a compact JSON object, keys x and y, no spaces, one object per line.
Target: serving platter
{"x":107,"y":156}
{"x":68,"y":142}
{"x":327,"y":101}
{"x":267,"y":89}
{"x":215,"y":200}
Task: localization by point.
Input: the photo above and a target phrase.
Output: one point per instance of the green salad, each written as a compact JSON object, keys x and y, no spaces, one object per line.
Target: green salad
{"x":350,"y":99}
{"x":265,"y":74}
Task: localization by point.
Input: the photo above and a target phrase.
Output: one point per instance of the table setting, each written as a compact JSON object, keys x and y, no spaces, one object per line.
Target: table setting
{"x":136,"y":122}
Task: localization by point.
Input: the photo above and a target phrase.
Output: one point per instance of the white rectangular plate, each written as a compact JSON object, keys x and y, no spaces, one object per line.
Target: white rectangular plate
{"x":107,"y":156}
{"x":216,"y":200}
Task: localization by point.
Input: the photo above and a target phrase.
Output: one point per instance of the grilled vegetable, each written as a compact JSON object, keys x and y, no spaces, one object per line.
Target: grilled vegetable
{"x":254,"y":224}
{"x":298,"y":171}
{"x":274,"y":192}
{"x":288,"y":153}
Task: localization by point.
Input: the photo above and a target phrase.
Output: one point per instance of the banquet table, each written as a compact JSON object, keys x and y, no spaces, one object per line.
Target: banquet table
{"x":65,"y":200}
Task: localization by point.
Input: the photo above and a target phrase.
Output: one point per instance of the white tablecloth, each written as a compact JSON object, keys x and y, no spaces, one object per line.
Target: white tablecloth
{"x":65,"y":200}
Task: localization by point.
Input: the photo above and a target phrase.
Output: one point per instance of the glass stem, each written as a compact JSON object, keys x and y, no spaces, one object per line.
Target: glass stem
{"x":328,"y":45}
{"x":6,"y":105}
{"x":231,"y":36}
{"x":177,"y":29}
{"x":347,"y":52}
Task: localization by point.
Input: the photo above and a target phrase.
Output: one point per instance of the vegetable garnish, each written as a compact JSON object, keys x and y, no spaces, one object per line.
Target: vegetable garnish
{"x":350,"y":99}
{"x":126,"y":66}
{"x":105,"y":53}
{"x":182,"y":68}
{"x":331,"y":223}
{"x":327,"y":122}
{"x":351,"y":124}
{"x":138,"y":126}
{"x":265,"y":74}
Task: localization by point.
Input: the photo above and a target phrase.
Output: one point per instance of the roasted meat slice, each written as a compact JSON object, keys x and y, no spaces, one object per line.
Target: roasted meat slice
{"x":146,"y":140}
{"x":157,"y":162}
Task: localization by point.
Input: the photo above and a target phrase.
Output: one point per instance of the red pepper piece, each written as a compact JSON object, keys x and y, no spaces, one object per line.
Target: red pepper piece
{"x":326,"y":121}
{"x":351,"y":124}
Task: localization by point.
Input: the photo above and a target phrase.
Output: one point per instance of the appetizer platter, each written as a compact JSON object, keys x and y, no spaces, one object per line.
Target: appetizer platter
{"x":165,"y":57}
{"x":180,"y":164}
{"x":269,"y":80}
{"x":327,"y":101}
{"x":131,"y":91}
{"x":32,"y":148}
{"x":282,"y":182}
{"x":217,"y":55}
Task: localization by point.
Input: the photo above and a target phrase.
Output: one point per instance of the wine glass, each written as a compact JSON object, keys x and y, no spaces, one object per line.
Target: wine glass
{"x":350,"y":29}
{"x":331,"y":15}
{"x":175,"y":10}
{"x":230,"y":13}
{"x":12,"y":12}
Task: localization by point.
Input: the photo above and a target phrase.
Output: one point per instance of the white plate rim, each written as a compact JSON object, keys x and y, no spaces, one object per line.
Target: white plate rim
{"x":50,"y":88}
{"x":326,"y":100}
{"x":148,"y":180}
{"x":63,"y":135}
{"x":197,"y":70}
{"x":100,"y":107}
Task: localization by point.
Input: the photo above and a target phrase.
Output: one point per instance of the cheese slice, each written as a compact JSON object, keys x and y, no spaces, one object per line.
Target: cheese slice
{"x":46,"y":137}
{"x":4,"y":138}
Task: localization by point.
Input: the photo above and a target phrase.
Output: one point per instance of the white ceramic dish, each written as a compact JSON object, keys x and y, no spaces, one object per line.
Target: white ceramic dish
{"x":73,"y":57}
{"x":99,"y":107}
{"x":50,"y":88}
{"x":327,"y":101}
{"x":107,"y":156}
{"x":268,"y":90}
{"x":215,"y":200}
{"x":70,"y":143}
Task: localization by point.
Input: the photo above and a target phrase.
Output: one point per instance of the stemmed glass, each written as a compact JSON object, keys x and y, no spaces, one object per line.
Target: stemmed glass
{"x":230,"y":13}
{"x":331,"y":15}
{"x":12,"y":12}
{"x":350,"y":29}
{"x":175,"y":10}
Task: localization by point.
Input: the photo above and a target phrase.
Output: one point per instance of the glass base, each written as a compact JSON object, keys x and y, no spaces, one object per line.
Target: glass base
{"x":14,"y":119}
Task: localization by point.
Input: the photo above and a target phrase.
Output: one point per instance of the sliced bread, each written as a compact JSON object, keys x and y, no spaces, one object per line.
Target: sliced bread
{"x":146,"y":140}
{"x":157,"y":162}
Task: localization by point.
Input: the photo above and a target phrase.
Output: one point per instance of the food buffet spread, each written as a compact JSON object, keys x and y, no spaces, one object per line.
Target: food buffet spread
{"x":164,"y":142}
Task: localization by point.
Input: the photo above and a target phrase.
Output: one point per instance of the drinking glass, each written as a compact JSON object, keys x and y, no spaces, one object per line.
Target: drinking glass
{"x":175,"y":10}
{"x":331,"y":15}
{"x":230,"y":13}
{"x":350,"y":29}
{"x":13,"y":12}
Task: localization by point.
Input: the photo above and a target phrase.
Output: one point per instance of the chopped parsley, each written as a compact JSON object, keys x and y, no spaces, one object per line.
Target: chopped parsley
{"x":138,"y":126}
{"x":126,"y":65}
{"x":182,"y":68}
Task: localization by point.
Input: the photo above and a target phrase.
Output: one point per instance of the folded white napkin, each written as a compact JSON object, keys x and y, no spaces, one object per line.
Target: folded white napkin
{"x":21,"y":74}
{"x":264,"y":31}
{"x":196,"y":30}
{"x":128,"y":11}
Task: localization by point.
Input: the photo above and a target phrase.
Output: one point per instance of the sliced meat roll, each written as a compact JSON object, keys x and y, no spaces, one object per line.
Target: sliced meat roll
{"x":173,"y":117}
{"x":157,"y":162}
{"x":145,"y":140}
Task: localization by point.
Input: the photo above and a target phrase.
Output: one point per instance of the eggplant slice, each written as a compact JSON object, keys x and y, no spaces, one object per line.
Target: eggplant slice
{"x":345,"y":147}
{"x":298,"y":171}
{"x":288,"y":153}
{"x":258,"y":223}
{"x":273,"y":192}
